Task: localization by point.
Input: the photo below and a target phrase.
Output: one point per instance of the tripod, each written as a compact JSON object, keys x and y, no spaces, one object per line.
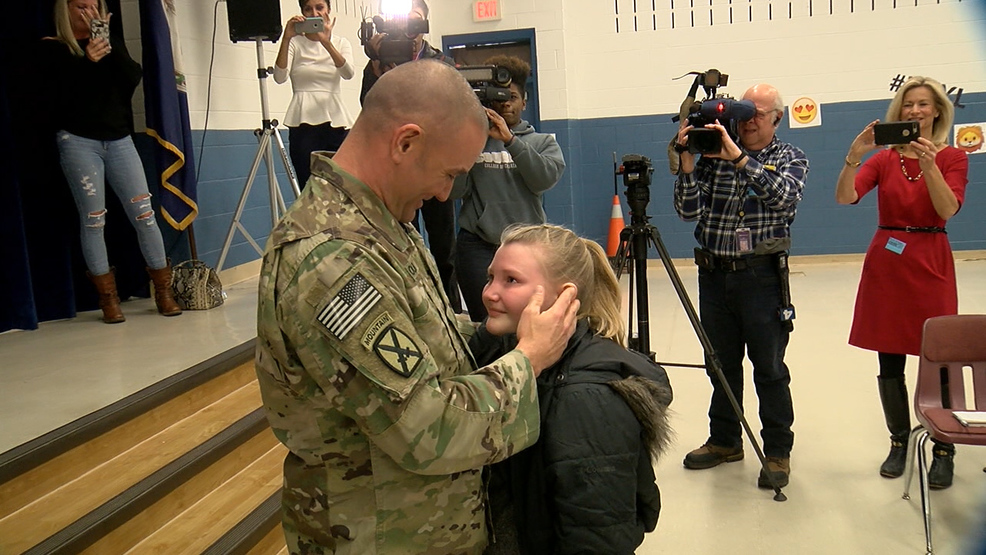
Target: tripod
{"x":634,"y":242}
{"x":265,"y":151}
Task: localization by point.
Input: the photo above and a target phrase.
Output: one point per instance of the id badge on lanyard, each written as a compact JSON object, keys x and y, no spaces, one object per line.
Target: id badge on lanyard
{"x":744,"y":240}
{"x":743,"y":235}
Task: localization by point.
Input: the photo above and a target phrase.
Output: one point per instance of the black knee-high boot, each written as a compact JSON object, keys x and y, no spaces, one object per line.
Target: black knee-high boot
{"x":896,"y":410}
{"x":942,"y":465}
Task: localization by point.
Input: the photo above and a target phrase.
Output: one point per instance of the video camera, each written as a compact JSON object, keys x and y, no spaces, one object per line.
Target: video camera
{"x":490,"y":83}
{"x":722,"y":108}
{"x":397,"y":46}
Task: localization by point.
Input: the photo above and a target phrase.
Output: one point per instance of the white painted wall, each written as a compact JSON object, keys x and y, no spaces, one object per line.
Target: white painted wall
{"x":235,"y":95}
{"x":588,"y":70}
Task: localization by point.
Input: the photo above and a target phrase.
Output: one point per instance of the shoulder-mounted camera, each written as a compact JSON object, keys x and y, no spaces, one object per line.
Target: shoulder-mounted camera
{"x":490,"y":83}
{"x":397,"y":46}
{"x":716,"y":107}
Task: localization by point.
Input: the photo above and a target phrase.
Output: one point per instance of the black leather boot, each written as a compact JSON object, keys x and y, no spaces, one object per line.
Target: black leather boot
{"x":893,"y":466}
{"x":942,"y":465}
{"x":897,"y":412}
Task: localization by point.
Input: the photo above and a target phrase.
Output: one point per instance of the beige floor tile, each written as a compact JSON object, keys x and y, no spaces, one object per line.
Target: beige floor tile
{"x":837,"y":502}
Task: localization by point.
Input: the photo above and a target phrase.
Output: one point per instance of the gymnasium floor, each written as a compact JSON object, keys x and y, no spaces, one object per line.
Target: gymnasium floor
{"x":837,"y":502}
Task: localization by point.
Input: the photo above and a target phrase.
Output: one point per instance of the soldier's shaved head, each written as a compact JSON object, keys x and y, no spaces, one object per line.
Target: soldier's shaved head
{"x":421,"y":125}
{"x":425,"y":92}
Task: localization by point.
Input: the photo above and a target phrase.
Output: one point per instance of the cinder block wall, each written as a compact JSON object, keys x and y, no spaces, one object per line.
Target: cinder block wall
{"x":606,"y":85}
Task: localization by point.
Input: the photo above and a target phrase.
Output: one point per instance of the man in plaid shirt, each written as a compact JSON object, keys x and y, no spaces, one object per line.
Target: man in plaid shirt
{"x":744,"y":198}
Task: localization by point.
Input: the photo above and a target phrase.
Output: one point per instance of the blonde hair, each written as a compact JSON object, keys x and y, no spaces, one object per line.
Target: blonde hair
{"x":946,"y":112}
{"x":63,"y":25}
{"x":568,"y":258}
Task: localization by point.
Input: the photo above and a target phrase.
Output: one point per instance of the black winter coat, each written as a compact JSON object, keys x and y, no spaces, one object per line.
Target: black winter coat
{"x":587,"y":485}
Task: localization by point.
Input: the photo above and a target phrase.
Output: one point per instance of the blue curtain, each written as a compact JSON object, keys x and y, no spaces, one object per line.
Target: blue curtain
{"x":42,"y":275}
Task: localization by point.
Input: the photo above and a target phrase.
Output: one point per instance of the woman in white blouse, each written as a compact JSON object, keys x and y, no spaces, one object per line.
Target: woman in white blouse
{"x":316,"y":117}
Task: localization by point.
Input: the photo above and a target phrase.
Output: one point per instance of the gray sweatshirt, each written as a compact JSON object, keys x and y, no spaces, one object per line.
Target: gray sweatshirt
{"x":505,"y":185}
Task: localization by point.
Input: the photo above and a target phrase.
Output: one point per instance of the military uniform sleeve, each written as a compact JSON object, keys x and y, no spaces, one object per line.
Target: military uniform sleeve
{"x":378,"y":345}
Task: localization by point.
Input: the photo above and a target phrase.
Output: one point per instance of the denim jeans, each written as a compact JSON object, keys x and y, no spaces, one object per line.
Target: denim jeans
{"x":88,"y":165}
{"x":473,"y":256}
{"x":739,"y":311}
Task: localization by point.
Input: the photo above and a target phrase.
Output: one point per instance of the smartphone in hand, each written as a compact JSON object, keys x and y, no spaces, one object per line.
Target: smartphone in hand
{"x":309,"y":25}
{"x":896,"y":133}
{"x":99,"y":29}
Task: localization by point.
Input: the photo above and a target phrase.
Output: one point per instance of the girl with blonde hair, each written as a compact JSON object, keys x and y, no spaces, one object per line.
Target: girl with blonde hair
{"x":588,"y":484}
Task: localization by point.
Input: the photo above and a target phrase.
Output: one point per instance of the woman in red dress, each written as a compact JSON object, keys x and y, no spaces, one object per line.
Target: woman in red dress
{"x":909,"y":274}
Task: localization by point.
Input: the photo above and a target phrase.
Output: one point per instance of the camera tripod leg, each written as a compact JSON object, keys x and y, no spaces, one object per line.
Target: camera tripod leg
{"x":274,"y":189}
{"x":292,"y":174}
{"x":235,"y":224}
{"x":628,"y":256}
{"x":264,"y":151}
{"x":650,"y":235}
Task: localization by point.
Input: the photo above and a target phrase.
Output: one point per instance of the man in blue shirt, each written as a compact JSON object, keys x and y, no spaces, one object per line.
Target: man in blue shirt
{"x":744,"y":198}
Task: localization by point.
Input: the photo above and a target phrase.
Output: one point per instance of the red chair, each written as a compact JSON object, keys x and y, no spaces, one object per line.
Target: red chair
{"x":949,"y":344}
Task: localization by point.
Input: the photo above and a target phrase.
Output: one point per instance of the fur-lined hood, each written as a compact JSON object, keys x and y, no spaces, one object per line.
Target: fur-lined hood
{"x":641,"y":382}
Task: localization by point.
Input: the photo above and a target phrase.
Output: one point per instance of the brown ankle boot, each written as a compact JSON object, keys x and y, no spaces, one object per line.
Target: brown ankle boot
{"x":163,"y":296}
{"x":108,"y":299}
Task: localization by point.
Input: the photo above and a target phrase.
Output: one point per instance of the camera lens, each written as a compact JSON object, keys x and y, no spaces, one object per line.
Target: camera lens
{"x":704,"y":141}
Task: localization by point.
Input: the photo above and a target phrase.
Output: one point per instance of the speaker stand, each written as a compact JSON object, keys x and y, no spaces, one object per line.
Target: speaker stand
{"x":264,"y":151}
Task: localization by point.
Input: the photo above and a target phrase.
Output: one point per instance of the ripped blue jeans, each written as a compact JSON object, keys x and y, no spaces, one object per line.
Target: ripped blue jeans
{"x":88,"y":165}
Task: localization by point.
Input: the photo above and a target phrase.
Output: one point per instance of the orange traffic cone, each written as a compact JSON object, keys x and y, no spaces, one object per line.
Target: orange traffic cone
{"x":616,"y":225}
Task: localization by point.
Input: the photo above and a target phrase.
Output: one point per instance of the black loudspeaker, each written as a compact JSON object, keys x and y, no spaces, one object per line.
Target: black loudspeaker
{"x":250,"y":20}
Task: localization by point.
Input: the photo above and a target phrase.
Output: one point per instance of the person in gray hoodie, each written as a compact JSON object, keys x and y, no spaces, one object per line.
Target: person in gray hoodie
{"x":504,"y":187}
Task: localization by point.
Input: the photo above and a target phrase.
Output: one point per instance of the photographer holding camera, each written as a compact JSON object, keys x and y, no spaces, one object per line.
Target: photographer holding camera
{"x":316,"y":62}
{"x":438,"y":216}
{"x":744,"y":198}
{"x":419,"y":49}
{"x":920,"y":184}
{"x":505,"y":185}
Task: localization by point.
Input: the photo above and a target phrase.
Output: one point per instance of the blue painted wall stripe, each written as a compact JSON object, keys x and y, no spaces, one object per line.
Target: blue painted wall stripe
{"x":583,"y":198}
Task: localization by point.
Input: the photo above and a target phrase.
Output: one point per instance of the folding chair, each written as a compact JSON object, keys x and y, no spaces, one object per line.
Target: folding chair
{"x":949,"y":345}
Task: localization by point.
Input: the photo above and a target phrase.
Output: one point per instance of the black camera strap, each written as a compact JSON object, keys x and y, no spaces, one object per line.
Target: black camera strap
{"x":786,"y":310}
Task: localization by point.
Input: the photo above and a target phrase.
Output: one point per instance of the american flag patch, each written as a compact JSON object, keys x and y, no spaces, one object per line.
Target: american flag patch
{"x":349,"y":306}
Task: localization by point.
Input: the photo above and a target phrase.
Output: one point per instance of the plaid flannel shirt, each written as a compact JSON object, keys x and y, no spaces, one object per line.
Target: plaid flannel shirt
{"x":762,"y":196}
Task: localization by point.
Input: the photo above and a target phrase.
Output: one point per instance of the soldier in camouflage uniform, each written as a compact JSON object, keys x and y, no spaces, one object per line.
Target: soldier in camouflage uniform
{"x":364,"y":368}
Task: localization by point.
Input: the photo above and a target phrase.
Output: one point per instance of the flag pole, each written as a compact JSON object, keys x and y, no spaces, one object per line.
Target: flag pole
{"x":191,"y":241}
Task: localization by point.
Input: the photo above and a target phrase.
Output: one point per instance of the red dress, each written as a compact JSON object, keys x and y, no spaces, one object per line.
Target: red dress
{"x":898,"y":292}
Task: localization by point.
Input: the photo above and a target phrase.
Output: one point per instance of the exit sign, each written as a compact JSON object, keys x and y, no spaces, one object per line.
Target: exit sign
{"x":486,"y":10}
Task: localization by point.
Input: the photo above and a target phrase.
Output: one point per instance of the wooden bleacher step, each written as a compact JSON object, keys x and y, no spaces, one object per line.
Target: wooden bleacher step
{"x":260,"y":533}
{"x":205,"y":523}
{"x":87,"y":498}
{"x":195,"y":448}
{"x":40,"y":466}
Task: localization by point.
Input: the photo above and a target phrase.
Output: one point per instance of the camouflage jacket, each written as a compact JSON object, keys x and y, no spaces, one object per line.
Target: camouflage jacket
{"x":366,"y":377}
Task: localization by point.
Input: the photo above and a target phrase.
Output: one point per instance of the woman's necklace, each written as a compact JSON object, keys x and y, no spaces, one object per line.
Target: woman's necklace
{"x":903,"y":169}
